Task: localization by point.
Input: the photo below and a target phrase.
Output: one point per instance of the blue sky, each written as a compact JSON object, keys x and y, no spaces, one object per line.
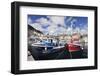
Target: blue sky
{"x":47,"y":24}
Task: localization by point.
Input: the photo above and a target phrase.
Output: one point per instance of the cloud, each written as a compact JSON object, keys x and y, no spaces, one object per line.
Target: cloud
{"x":84,"y":30}
{"x":40,"y":23}
{"x":73,"y":22}
{"x":51,"y":24}
{"x":29,"y":21}
{"x":57,"y":20}
{"x":76,"y":30}
{"x":43,"y":21}
{"x":69,"y":19}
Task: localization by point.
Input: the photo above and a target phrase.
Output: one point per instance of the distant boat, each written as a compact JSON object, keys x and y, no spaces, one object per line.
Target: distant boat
{"x":47,"y":45}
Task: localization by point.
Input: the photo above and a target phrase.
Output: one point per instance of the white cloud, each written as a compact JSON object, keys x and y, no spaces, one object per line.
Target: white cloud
{"x":53,"y":27}
{"x":53,"y":24}
{"x":84,"y":30}
{"x":72,"y":22}
{"x":43,"y":21}
{"x":29,"y":21}
{"x":69,"y":19}
{"x":76,"y":30}
{"x":40,"y":23}
{"x":57,"y":20}
{"x":54,"y":30}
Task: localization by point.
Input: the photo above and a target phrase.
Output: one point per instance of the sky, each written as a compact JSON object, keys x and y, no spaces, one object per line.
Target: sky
{"x":54,"y":25}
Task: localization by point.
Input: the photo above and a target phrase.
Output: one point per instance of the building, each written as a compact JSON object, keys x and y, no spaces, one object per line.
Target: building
{"x":33,"y":35}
